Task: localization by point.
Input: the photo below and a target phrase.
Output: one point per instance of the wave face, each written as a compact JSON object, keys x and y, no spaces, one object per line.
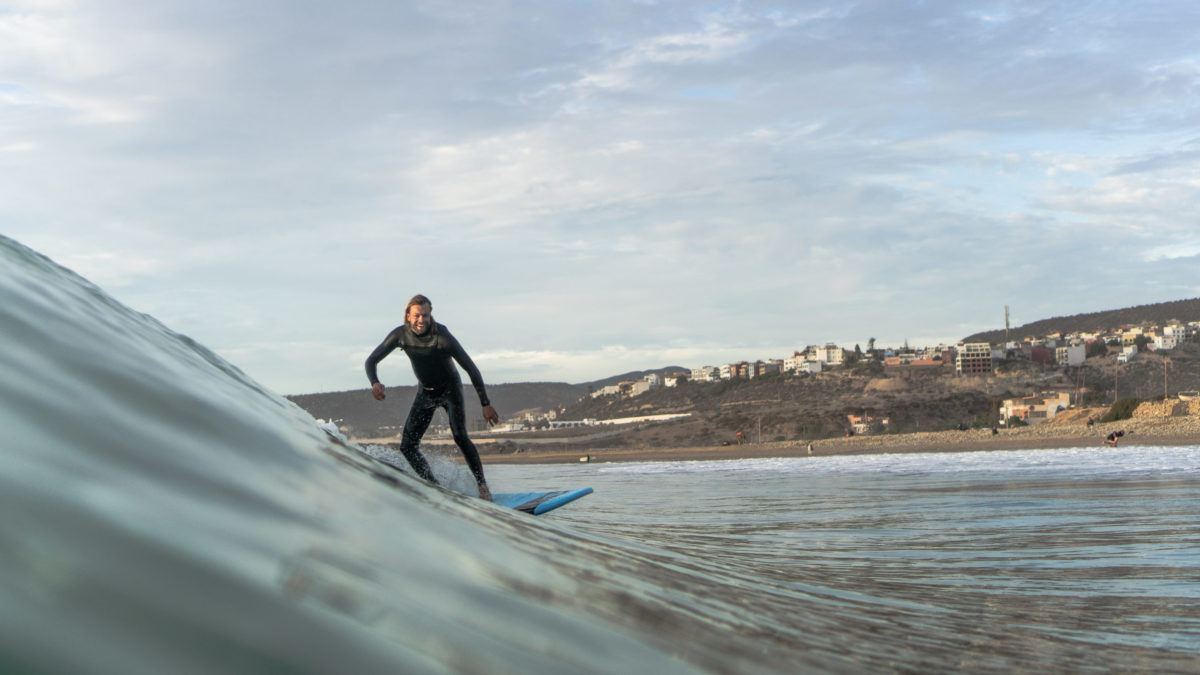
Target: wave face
{"x":162,"y":512}
{"x":165,"y":513}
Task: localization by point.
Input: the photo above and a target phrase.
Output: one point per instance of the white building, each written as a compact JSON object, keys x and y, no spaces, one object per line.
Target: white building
{"x":974,"y":358}
{"x":706,"y":374}
{"x":610,"y":390}
{"x":1161,"y":342}
{"x":640,"y":387}
{"x":1070,"y":355}
{"x":830,"y":354}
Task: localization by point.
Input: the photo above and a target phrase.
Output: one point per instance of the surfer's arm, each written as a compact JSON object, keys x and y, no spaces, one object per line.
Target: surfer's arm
{"x":460,"y":355}
{"x":386,"y":347}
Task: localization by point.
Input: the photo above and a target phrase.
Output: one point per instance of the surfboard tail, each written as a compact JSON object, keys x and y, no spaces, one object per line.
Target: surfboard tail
{"x":538,"y":503}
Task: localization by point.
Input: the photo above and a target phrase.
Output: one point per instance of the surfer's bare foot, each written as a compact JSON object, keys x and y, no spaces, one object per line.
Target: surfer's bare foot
{"x":484,"y":492}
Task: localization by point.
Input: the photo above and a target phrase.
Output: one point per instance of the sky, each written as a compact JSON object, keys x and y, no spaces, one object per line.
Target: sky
{"x":589,"y":188}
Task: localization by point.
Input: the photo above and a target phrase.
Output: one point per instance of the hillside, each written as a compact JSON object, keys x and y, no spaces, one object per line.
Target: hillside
{"x":794,"y":407}
{"x":808,"y":407}
{"x":788,"y":407}
{"x":1159,"y":313}
{"x":358,"y":413}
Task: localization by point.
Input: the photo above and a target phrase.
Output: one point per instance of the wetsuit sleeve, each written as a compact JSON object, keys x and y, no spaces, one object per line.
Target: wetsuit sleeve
{"x":460,"y":355}
{"x":386,"y":347}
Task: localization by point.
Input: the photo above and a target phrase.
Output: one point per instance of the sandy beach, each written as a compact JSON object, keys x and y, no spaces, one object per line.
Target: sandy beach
{"x":1174,"y":430}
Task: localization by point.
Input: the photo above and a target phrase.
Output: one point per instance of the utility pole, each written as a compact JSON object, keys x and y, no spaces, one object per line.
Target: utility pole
{"x":1166,"y":360}
{"x":1006,"y":326}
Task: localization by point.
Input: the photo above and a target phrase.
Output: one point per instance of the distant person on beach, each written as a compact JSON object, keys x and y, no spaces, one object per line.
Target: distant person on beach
{"x":430,"y":347}
{"x":1112,"y":439}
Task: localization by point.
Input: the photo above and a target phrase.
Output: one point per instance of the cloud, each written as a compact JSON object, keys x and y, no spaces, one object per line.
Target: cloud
{"x":589,"y":186}
{"x":1185,"y":249}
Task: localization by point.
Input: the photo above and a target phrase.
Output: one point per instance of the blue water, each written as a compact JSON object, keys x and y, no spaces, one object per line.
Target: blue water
{"x":164,"y":513}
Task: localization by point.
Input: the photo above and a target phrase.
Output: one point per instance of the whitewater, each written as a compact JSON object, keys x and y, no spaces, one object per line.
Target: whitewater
{"x":163,"y":512}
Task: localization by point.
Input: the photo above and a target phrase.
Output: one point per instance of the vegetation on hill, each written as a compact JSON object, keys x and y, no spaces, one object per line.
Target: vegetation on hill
{"x":797,"y":407}
{"x":1158,"y":313}
{"x":1121,"y":410}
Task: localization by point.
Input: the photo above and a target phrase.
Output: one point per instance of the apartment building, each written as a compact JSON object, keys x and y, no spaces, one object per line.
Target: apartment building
{"x":974,"y":358}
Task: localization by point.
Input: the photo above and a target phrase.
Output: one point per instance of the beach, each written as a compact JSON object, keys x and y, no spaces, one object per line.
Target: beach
{"x":1071,"y":432}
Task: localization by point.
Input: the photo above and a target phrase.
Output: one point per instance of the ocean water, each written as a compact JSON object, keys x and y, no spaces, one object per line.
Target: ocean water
{"x":163,"y":513}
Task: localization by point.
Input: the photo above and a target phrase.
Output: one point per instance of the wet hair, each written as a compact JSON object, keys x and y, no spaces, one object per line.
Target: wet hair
{"x":417,"y":299}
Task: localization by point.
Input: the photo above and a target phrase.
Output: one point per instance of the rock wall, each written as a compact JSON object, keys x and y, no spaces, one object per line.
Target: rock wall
{"x":1168,"y":408}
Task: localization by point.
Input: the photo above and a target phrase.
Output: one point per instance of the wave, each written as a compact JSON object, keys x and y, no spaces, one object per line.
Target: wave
{"x":166,"y":513}
{"x":163,"y":512}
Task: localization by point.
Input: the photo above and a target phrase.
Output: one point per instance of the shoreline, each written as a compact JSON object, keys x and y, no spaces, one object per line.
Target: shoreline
{"x":1175,"y":430}
{"x":1158,"y":431}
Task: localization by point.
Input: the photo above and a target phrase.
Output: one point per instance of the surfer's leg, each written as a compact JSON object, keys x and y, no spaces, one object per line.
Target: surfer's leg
{"x":453,"y":401}
{"x":419,"y":417}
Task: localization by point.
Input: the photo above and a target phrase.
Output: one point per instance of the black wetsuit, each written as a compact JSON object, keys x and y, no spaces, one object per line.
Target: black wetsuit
{"x":439,"y":385}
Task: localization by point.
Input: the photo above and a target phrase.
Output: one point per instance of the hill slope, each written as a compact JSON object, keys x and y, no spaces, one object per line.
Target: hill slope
{"x":357,"y":412}
{"x":1159,"y":313}
{"x":794,"y":407}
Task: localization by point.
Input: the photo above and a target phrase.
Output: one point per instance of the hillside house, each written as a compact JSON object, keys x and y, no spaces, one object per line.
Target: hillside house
{"x":830,"y":354}
{"x":762,"y":368}
{"x":794,"y":362}
{"x":610,"y":390}
{"x":1042,"y":355}
{"x":1035,"y":409}
{"x":1070,"y":355}
{"x":640,"y":387}
{"x":675,"y":379}
{"x":865,"y":424}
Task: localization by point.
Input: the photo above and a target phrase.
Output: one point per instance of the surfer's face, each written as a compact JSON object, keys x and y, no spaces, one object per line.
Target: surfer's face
{"x":419,"y":318}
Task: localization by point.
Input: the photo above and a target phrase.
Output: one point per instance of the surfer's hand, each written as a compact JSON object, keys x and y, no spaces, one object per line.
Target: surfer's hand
{"x":484,"y":492}
{"x":490,"y":414}
{"x":377,"y":390}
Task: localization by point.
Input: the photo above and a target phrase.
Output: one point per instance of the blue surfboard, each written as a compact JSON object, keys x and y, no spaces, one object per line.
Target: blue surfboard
{"x":538,"y":503}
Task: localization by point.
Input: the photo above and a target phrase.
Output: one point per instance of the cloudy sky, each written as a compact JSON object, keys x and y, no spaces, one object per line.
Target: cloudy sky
{"x":586,"y":188}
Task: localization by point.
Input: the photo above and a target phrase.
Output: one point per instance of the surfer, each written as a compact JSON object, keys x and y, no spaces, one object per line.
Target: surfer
{"x":430,"y":347}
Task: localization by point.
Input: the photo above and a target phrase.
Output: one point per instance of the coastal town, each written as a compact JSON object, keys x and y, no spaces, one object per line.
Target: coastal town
{"x":1056,"y":352}
{"x":1061,"y":375}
